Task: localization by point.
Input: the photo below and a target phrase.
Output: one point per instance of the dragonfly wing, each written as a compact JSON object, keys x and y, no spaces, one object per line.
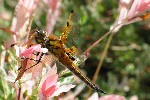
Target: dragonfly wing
{"x":71,"y":30}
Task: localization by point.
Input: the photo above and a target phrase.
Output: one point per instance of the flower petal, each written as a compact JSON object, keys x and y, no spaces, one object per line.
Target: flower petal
{"x":52,"y":15}
{"x":94,"y":96}
{"x":49,"y":86}
{"x":63,"y":88}
{"x":35,"y":48}
{"x":112,"y":97}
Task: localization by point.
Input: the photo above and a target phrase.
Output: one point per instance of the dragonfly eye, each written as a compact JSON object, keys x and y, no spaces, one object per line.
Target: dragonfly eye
{"x":40,"y":36}
{"x":41,"y":33}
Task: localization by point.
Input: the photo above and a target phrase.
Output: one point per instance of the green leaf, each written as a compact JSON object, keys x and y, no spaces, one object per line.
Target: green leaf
{"x":66,"y":80}
{"x":65,"y":73}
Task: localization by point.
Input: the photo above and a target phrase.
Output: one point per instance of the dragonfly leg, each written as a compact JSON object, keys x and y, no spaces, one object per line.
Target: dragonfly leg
{"x":28,"y":59}
{"x":37,"y":61}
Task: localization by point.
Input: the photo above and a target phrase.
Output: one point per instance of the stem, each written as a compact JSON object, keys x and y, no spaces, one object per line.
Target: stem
{"x":19,"y":92}
{"x":87,"y":52}
{"x":101,"y":62}
{"x":29,"y":27}
{"x":2,"y":61}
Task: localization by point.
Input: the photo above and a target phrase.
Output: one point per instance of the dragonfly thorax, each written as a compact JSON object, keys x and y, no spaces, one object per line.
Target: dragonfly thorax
{"x":40,"y":37}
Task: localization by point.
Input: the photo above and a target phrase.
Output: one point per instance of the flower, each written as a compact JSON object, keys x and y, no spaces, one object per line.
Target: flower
{"x":25,"y":54}
{"x":52,"y":15}
{"x":31,"y":50}
{"x":112,"y":97}
{"x":106,"y":97}
{"x":138,"y":7}
{"x":130,"y":11}
{"x":21,"y":21}
{"x":24,"y":11}
{"x":50,"y":87}
{"x":20,"y":29}
{"x":48,"y":84}
{"x":26,"y":86}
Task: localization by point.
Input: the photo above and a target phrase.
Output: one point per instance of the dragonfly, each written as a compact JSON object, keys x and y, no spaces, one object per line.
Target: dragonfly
{"x":65,"y":55}
{"x":57,"y":46}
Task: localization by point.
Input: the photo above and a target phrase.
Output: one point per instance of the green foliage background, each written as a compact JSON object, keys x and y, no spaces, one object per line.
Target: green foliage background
{"x":126,"y":69}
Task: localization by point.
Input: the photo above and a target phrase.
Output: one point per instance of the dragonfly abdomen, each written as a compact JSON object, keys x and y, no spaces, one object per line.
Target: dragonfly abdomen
{"x":77,"y":72}
{"x":70,"y":65}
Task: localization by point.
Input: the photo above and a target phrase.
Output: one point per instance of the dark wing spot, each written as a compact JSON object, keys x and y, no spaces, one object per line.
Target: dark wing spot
{"x":72,"y":11}
{"x":67,"y":23}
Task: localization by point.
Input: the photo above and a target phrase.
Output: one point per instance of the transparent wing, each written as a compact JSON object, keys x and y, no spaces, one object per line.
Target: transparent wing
{"x":74,"y":21}
{"x":72,"y":30}
{"x":70,"y":38}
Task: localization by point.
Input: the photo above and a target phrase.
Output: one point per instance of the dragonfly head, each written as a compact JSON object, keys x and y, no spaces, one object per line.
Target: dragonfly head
{"x":40,"y":36}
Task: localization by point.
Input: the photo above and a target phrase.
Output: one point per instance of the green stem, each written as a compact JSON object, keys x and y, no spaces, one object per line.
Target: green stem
{"x":101,"y":61}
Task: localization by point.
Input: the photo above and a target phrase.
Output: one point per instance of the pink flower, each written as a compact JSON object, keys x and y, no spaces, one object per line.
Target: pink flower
{"x":26,"y":86}
{"x":23,"y":53}
{"x":130,"y":11}
{"x":31,"y":50}
{"x":52,"y":15}
{"x":5,"y":15}
{"x":138,"y":7}
{"x":63,"y":88}
{"x":24,"y":11}
{"x":112,"y":97}
{"x":106,"y":97}
{"x":20,"y":23}
{"x":134,"y":97}
{"x":48,"y":84}
{"x":94,"y":97}
{"x":49,"y":87}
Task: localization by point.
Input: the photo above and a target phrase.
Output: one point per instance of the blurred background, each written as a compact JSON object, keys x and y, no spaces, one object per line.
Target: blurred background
{"x":126,"y":68}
